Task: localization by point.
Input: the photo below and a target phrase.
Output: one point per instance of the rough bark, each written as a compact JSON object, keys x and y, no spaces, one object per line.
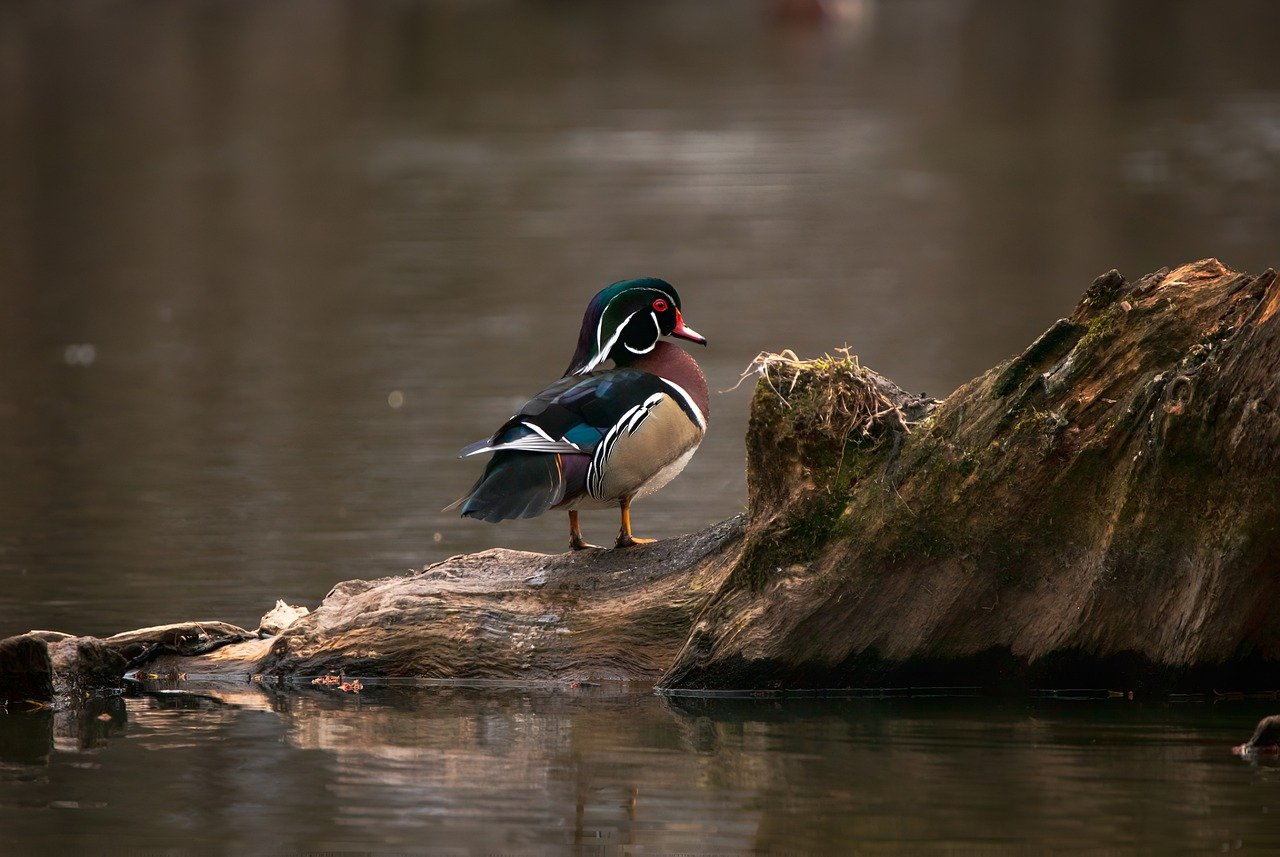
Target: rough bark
{"x":1103,"y":509}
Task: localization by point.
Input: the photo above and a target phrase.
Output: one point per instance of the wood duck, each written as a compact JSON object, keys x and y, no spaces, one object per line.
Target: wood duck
{"x":601,"y":437}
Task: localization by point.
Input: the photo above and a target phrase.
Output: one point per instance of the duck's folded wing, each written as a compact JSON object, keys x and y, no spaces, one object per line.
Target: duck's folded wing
{"x":572,"y":415}
{"x":530,"y":442}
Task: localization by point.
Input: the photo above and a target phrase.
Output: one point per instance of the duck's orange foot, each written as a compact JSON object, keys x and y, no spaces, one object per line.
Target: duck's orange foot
{"x":628,"y":540}
{"x":581,"y":544}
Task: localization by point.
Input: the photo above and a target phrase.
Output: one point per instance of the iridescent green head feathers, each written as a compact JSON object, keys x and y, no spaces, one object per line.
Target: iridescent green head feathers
{"x":625,"y":320}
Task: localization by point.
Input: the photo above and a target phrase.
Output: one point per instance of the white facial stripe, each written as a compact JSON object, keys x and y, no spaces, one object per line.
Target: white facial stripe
{"x":657,"y":334}
{"x":657,"y":330}
{"x":603,"y":353}
{"x":603,"y":349}
{"x":688,"y":400}
{"x":599,"y":332}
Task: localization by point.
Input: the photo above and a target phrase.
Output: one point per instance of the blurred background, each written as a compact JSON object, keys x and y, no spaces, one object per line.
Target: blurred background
{"x":266,"y":266}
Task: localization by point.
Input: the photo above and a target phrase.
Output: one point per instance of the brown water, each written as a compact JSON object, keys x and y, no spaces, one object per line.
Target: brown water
{"x":266,"y":217}
{"x":613,"y":771}
{"x":233,"y":235}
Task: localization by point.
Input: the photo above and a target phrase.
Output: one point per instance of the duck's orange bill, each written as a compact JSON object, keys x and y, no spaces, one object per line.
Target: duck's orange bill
{"x":685,"y":332}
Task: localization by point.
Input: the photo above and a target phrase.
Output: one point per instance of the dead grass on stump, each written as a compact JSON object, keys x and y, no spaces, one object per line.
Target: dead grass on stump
{"x":834,"y":394}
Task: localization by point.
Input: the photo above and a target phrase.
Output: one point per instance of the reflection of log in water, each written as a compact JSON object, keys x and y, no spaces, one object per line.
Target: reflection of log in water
{"x":30,"y":738}
{"x":1101,"y":511}
{"x":478,"y":768}
{"x":1265,"y":739}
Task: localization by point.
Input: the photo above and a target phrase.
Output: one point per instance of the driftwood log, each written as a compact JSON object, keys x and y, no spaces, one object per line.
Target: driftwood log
{"x":1102,"y":510}
{"x":504,"y":614}
{"x":499,"y":614}
{"x":43,"y":666}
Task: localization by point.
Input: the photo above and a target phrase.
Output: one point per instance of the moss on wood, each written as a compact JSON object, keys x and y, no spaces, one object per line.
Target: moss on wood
{"x":1113,"y":489}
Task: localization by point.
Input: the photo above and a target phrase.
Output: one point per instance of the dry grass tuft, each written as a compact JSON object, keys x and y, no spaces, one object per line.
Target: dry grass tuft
{"x":836,"y":393}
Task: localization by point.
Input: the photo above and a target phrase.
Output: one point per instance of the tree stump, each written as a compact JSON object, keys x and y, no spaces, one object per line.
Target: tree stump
{"x":1103,"y":511}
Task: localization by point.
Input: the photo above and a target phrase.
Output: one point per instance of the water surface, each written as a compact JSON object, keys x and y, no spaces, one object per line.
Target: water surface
{"x":617,"y":770}
{"x":266,"y":266}
{"x":268,"y":217}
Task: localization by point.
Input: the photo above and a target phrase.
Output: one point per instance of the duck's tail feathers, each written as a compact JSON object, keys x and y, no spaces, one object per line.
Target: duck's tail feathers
{"x":515,"y":485}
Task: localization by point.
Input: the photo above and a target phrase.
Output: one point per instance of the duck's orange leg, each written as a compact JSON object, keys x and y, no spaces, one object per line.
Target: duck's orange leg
{"x":625,"y":539}
{"x":576,"y":541}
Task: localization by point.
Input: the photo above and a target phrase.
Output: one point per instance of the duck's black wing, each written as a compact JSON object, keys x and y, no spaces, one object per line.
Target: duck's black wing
{"x":574,"y":414}
{"x":540,"y":454}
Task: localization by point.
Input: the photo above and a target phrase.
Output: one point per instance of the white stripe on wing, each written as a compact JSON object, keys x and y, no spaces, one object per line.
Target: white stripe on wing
{"x":629,"y":422}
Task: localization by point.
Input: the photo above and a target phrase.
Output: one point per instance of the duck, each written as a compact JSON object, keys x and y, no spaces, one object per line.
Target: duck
{"x":622,"y":421}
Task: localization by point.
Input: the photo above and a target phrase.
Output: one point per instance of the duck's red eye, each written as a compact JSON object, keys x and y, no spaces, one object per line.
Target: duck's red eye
{"x":660,"y":305}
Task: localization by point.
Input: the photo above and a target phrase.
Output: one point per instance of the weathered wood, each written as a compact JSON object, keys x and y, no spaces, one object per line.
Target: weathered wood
{"x":52,"y":666}
{"x":185,"y":639}
{"x":596,"y":614}
{"x":1102,"y":510}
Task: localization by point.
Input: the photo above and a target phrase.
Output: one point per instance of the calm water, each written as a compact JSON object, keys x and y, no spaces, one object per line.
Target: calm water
{"x":612,"y":771}
{"x":234,"y":234}
{"x":266,"y":217}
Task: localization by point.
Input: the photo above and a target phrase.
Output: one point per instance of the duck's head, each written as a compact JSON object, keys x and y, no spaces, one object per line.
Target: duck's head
{"x":626,"y":320}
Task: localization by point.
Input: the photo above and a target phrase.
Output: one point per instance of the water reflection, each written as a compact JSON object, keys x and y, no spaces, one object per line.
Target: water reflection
{"x":230,"y":231}
{"x":535,"y":770}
